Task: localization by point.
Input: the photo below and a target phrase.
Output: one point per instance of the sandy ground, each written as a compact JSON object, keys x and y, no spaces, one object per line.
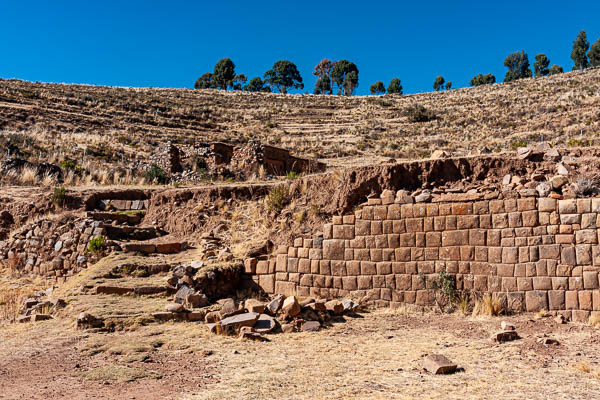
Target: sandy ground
{"x":376,"y":356}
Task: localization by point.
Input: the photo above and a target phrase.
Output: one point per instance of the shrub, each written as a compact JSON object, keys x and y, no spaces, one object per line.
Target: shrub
{"x":277,"y":198}
{"x":96,"y":244}
{"x":59,"y":195}
{"x":587,"y":187}
{"x":156,"y":175}
{"x":292,"y":175}
{"x":517,"y":144}
{"x":418,"y":113}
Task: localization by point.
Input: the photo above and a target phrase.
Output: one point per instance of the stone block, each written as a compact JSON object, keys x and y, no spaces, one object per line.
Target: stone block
{"x":509,"y":255}
{"x":571,"y":300}
{"x":584,"y":206}
{"x":549,"y":252}
{"x":536,"y":300}
{"x":455,"y":238}
{"x":524,"y":284}
{"x":556,"y":299}
{"x":546,"y":204}
{"x":333,"y":249}
{"x":590,"y":280}
{"x":568,"y":206}
{"x":542,"y":283}
{"x":585,"y":300}
{"x":586,"y":236}
{"x":583,"y":254}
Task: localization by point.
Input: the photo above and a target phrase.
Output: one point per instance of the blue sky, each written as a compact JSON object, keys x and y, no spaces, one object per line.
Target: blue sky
{"x":170,"y":44}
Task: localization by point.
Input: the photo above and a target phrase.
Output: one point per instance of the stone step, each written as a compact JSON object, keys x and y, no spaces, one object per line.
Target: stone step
{"x":140,"y":291}
{"x":107,"y":216}
{"x":122,"y":205}
{"x":132,"y":233}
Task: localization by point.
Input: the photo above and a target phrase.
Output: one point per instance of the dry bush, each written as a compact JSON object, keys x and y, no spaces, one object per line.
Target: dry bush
{"x":594,"y":320}
{"x":586,"y":186}
{"x":11,"y":301}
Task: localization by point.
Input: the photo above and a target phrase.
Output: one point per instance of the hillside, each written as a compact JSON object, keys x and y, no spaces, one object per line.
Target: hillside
{"x":123,"y":124}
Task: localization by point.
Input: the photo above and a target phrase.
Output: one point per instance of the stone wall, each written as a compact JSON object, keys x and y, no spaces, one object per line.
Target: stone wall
{"x":534,"y":253}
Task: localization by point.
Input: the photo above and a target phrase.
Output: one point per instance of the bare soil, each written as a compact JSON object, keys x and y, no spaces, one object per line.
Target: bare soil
{"x":377,"y":355}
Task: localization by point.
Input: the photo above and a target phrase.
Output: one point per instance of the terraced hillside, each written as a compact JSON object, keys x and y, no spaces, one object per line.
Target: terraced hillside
{"x":124,"y":124}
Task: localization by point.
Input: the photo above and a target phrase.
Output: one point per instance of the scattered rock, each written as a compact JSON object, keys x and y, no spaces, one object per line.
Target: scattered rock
{"x":234,"y":323}
{"x":505,"y":336}
{"x":543,"y":189}
{"x":559,"y":181}
{"x":311,"y":326}
{"x":335,"y":306}
{"x":350,"y":305}
{"x":265,"y":324}
{"x":506,"y":179}
{"x":253,"y":305}
{"x":523,"y":153}
{"x":197,"y":300}
{"x":438,"y":364}
{"x":212,"y":317}
{"x":275,"y":305}
{"x":423,"y":197}
{"x":546,"y":341}
{"x":288,"y":328}
{"x":507,"y":326}
{"x":561,"y":170}
{"x":291,"y":306}
{"x":174,"y":308}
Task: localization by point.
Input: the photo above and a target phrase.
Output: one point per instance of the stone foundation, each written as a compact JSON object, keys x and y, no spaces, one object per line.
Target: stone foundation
{"x":533,"y":253}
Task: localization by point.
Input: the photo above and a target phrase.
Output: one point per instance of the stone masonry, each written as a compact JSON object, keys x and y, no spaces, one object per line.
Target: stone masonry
{"x":534,"y":253}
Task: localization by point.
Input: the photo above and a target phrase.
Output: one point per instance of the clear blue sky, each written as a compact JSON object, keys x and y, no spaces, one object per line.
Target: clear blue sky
{"x":171,"y":43}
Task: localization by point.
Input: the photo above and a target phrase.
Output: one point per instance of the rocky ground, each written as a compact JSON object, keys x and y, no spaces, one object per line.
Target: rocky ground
{"x":377,"y":354}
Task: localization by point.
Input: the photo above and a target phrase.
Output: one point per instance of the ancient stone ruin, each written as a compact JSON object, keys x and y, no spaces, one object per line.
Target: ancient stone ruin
{"x":533,"y":253}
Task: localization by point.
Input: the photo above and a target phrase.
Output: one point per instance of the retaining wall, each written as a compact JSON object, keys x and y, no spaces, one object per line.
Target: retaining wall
{"x":534,"y":253}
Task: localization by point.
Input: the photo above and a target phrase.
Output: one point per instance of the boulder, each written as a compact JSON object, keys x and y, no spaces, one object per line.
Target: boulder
{"x":423,"y":197}
{"x":561,"y":170}
{"x":182,"y":293}
{"x":311,"y":326}
{"x":317,"y":306}
{"x":543,"y":189}
{"x":291,"y":306}
{"x":552,"y":155}
{"x":505,"y":336}
{"x":288,"y":328}
{"x":197,"y":300}
{"x":265,"y":324}
{"x":237,"y":321}
{"x":212,"y":317}
{"x":438,"y":364}
{"x":253,"y":305}
{"x":230,"y":308}
{"x":335,"y":307}
{"x":275,"y":305}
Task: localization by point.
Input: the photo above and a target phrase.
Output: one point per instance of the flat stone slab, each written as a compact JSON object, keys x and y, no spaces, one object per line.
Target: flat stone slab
{"x":237,"y":321}
{"x":146,"y":248}
{"x":438,"y":364}
{"x":168,"y":248}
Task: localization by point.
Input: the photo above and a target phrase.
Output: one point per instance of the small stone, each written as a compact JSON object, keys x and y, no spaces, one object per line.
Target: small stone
{"x":523,"y":152}
{"x":291,"y":306}
{"x":543,"y":189}
{"x":254,"y":336}
{"x":552,"y":155}
{"x":507,"y":326}
{"x":548,"y":341}
{"x":561,"y":170}
{"x":423,"y":197}
{"x":559,"y":181}
{"x":317,"y":306}
{"x":174,"y":308}
{"x":350,"y":305}
{"x":311,"y":326}
{"x":505,"y":336}
{"x":288,"y":328}
{"x":306,"y":302}
{"x":438,"y":364}
{"x":506,"y":179}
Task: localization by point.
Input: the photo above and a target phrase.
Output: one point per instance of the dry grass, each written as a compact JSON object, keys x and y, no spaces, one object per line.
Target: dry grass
{"x":489,"y":305}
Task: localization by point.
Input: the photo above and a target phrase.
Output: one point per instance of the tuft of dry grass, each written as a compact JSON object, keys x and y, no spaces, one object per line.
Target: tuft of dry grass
{"x":594,"y":320}
{"x":488,"y":305}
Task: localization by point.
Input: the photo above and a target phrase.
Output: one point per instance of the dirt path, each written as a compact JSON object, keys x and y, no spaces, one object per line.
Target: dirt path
{"x":53,"y":367}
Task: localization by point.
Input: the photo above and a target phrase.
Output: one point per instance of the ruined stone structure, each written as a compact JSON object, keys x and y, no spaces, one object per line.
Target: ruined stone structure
{"x":533,"y":253}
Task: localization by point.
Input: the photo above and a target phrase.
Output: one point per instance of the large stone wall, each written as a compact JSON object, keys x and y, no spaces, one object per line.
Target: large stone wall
{"x":534,"y":253}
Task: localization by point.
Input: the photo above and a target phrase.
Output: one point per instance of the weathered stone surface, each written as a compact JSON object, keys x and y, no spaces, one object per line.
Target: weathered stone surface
{"x":291,"y":306}
{"x":505,"y":336}
{"x":265,"y":324}
{"x":275,"y":305}
{"x":237,"y":321}
{"x":168,"y":248}
{"x":311,"y":326}
{"x":559,"y":181}
{"x":174,"y":308}
{"x":350,"y":305}
{"x":438,"y":364}
{"x":335,"y":307}
{"x":145,"y":248}
{"x":253,"y":305}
